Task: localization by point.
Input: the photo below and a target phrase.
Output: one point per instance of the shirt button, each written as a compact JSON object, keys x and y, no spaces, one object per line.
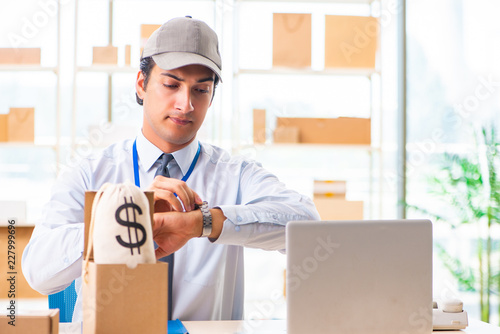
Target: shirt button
{"x":237,"y":228}
{"x":239,"y":218}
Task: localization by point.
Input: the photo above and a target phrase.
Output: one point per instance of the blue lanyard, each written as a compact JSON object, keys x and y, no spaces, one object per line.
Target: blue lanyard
{"x":136,"y":164}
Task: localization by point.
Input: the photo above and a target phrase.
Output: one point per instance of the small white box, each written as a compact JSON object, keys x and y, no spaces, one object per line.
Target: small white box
{"x":12,"y":209}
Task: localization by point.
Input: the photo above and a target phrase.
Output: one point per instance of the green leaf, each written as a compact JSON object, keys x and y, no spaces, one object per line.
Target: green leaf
{"x":462,"y":273}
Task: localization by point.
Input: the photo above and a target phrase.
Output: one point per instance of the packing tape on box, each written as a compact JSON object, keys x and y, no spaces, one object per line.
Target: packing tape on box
{"x":330,"y":188}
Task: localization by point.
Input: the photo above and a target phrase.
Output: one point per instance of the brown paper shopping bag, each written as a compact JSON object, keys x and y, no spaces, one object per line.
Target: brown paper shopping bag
{"x":21,"y":124}
{"x":4,"y":134}
{"x":292,"y":40}
{"x":259,"y":126}
{"x":351,"y":41}
{"x":146,"y":31}
{"x":118,"y":299}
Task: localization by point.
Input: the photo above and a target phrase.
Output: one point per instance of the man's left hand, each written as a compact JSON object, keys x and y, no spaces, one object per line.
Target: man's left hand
{"x":171,"y":230}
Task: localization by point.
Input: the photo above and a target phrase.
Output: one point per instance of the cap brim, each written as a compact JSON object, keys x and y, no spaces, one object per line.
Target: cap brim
{"x":173,"y":60}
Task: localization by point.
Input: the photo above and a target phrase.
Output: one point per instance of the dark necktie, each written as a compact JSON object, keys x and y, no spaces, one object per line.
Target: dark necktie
{"x":163,"y":170}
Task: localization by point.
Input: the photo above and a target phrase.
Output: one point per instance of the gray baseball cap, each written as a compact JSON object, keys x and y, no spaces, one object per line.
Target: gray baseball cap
{"x":184,"y":41}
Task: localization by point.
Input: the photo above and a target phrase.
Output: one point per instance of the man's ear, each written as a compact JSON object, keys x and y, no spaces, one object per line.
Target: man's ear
{"x":139,"y":85}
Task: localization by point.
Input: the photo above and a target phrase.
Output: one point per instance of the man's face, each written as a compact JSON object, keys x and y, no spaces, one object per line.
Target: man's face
{"x":175,"y":104}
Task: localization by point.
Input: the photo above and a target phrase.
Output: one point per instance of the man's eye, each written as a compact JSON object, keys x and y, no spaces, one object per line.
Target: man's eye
{"x":170,"y":86}
{"x":203,"y":91}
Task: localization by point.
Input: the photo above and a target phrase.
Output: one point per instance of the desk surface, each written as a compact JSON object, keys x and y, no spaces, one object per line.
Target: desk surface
{"x":270,"y":327}
{"x":279,"y":327}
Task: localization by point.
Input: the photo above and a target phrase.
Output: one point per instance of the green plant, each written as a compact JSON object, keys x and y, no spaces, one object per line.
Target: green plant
{"x":470,"y":184}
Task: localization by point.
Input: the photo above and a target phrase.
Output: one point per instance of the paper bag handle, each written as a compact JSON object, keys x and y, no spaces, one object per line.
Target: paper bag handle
{"x":292,"y":28}
{"x":19,"y":115}
{"x":90,"y":244}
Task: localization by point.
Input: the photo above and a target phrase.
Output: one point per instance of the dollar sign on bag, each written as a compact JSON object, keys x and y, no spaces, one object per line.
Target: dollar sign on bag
{"x":130,"y":225}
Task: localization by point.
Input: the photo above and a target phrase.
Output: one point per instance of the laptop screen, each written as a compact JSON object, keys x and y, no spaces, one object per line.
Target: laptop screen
{"x":359,"y":276}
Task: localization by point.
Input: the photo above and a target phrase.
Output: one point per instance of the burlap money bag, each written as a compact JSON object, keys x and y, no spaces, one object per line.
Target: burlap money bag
{"x":120,"y":227}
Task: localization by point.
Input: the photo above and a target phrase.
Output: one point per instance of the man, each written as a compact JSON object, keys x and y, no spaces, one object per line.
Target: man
{"x":248,"y":206}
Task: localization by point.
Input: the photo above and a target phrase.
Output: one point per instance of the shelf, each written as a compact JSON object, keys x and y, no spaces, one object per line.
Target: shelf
{"x":293,"y":146}
{"x":26,"y":145}
{"x":27,"y":68}
{"x":435,"y":147}
{"x":367,"y":2}
{"x":165,"y":0}
{"x":368,"y":72}
{"x":110,"y":69}
{"x":4,"y":224}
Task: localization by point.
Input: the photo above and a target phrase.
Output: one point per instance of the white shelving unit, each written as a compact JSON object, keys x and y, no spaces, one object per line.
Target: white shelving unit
{"x":368,"y":72}
{"x":41,"y":143}
{"x":109,"y":70}
{"x":23,"y":174}
{"x":374,"y":150}
{"x":27,"y":68}
{"x":225,"y":16}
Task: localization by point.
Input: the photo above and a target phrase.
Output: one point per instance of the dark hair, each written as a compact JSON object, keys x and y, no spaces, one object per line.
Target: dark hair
{"x":146,"y":67}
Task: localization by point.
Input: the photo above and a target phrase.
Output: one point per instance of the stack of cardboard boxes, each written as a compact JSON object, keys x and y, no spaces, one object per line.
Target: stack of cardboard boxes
{"x":331,"y":203}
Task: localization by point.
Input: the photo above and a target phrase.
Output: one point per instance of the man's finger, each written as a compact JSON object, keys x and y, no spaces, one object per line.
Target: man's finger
{"x":177,"y":187}
{"x":159,"y":253}
{"x":169,"y":197}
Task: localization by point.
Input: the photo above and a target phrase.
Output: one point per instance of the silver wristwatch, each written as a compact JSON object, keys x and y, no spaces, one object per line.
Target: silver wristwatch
{"x":207,"y":219}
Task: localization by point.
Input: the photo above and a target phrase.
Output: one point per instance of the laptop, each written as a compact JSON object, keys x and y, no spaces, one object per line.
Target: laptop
{"x":350,"y":277}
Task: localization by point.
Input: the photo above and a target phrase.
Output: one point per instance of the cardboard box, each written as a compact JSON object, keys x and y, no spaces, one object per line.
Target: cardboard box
{"x":127,"y":55}
{"x":4,"y":134}
{"x":105,"y":55}
{"x":292,"y":40}
{"x":13,"y":209}
{"x":39,"y":322}
{"x":23,"y":236}
{"x":117,"y":299}
{"x":259,"y":126}
{"x":342,"y":130}
{"x":329,"y":188}
{"x":21,"y":125}
{"x":286,"y":134}
{"x":351,"y":41}
{"x":18,"y":56}
{"x":339,"y":209}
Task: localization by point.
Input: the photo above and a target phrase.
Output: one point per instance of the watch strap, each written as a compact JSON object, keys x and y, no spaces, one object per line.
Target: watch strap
{"x":207,"y":219}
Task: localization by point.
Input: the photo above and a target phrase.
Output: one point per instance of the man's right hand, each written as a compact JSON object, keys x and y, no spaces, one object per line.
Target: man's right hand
{"x":165,"y":190}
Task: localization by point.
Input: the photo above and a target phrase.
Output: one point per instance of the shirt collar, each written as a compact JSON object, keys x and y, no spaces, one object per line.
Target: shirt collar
{"x":148,"y":154}
{"x":185,"y":157}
